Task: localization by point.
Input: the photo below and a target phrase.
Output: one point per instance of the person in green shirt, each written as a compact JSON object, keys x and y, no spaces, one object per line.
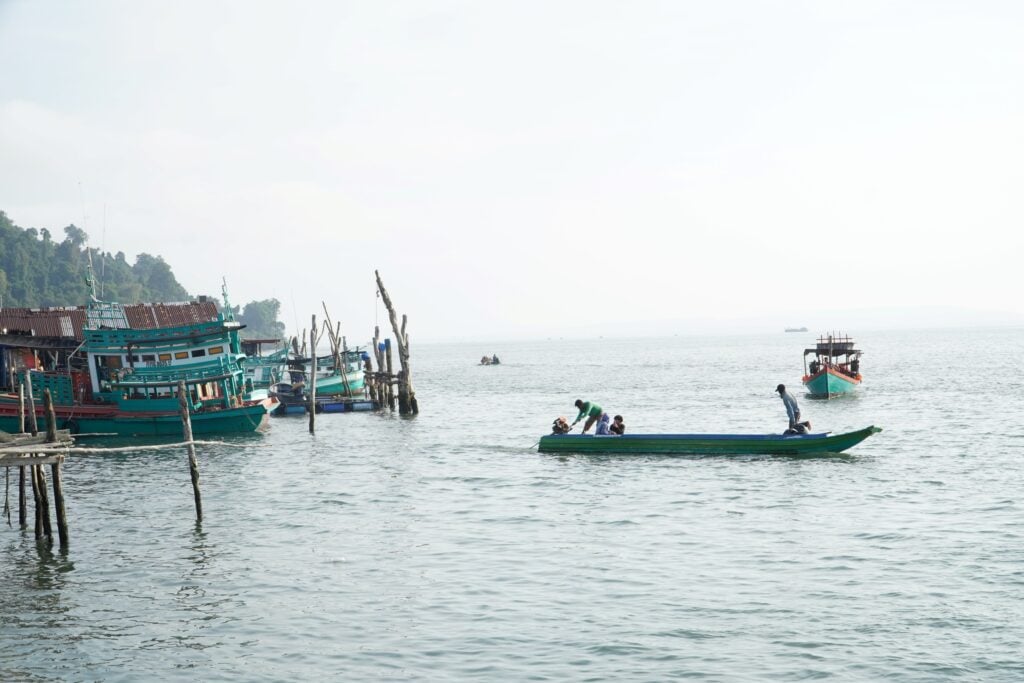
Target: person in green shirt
{"x":590,"y":410}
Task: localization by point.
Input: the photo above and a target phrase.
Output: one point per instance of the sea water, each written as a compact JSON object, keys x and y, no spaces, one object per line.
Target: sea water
{"x":445,"y":548}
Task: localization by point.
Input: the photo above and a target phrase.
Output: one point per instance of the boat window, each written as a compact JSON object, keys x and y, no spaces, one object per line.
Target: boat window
{"x":148,"y":358}
{"x":132,"y":358}
{"x":215,"y":350}
{"x":198,"y":352}
{"x":181,"y":354}
{"x":165,"y":356}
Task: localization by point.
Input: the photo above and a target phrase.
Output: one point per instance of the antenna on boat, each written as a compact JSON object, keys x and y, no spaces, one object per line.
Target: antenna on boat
{"x":227,"y":304}
{"x":103,"y":255}
{"x":90,"y":278}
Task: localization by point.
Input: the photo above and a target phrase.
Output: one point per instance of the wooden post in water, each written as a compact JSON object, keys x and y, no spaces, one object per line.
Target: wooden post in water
{"x":407,"y":404}
{"x":391,"y":374}
{"x":312,"y":378}
{"x":58,"y":485}
{"x":38,"y":526}
{"x":51,"y":418}
{"x":338,"y":350}
{"x":33,"y":426}
{"x":22,"y":501}
{"x":21,"y":408}
{"x":44,"y":503}
{"x":378,"y":386}
{"x":193,"y":464}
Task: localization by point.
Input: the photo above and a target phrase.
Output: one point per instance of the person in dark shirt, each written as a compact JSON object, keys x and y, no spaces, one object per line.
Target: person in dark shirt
{"x":618,"y":426}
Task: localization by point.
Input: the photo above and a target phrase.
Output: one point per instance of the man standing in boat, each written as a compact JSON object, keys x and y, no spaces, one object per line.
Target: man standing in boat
{"x":793,"y":411}
{"x":590,"y":410}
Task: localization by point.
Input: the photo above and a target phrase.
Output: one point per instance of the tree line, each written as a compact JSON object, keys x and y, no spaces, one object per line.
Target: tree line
{"x":37,"y":271}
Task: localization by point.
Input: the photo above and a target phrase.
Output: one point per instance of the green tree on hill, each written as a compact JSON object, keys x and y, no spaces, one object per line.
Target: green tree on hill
{"x":35,"y":272}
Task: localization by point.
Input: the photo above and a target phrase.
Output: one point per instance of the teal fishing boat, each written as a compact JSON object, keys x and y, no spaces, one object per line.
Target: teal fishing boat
{"x":705,"y":444}
{"x":341,"y":376}
{"x":124,"y":381}
{"x":834,"y":368}
{"x":265,"y":368}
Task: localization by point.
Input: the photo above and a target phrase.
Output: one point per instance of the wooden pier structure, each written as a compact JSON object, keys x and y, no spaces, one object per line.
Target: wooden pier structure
{"x":30,"y":452}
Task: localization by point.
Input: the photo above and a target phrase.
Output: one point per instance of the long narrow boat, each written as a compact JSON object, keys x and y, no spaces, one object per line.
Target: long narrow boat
{"x":705,"y":444}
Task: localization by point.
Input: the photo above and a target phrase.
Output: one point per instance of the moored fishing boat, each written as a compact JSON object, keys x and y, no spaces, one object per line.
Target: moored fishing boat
{"x":124,"y":381}
{"x":704,"y":444}
{"x":264,"y":369}
{"x":341,"y":377}
{"x":835,"y":367}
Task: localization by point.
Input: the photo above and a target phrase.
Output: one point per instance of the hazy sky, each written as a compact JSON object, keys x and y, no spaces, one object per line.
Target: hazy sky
{"x":532,"y":168}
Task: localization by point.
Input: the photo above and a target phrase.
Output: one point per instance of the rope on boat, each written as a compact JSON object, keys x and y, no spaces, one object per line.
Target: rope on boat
{"x":127,"y":449}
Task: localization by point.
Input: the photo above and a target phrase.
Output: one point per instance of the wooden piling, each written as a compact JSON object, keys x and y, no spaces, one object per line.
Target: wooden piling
{"x":38,"y":526}
{"x":58,"y":505}
{"x":378,"y":386}
{"x":33,"y":426}
{"x":407,"y":404}
{"x":22,"y":502}
{"x":391,"y":373}
{"x":50,"y":417}
{"x":44,"y":502}
{"x":21,"y":408}
{"x":193,"y":464}
{"x":30,"y":454}
{"x":312,"y":377}
{"x":58,"y":485}
{"x":338,"y":350}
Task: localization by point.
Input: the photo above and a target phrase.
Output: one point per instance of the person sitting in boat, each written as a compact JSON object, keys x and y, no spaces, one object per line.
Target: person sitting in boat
{"x":602,"y":425}
{"x":815,"y":366}
{"x":618,"y":426}
{"x":793,"y":411}
{"x":495,"y":361}
{"x":560,"y":426}
{"x":589,"y":410}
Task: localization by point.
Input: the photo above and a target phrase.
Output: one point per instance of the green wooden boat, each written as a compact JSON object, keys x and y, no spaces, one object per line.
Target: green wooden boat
{"x":129,"y":383}
{"x":705,"y":444}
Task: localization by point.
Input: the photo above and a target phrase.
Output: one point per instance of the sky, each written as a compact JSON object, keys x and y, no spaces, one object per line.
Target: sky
{"x":532,"y":169}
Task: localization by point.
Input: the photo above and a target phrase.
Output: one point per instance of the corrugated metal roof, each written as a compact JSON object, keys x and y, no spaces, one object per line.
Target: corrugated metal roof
{"x":66,"y":322}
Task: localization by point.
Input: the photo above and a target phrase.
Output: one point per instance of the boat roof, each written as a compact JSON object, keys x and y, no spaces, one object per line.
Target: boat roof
{"x":66,"y":322}
{"x":836,"y":351}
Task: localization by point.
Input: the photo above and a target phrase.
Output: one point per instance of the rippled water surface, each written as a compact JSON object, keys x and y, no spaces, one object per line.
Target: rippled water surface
{"x":445,"y":547}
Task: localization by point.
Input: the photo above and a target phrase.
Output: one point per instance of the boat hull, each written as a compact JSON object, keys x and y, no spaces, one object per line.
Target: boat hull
{"x":112,"y":422}
{"x":704,"y":444}
{"x":335,"y":384}
{"x":829,"y":382}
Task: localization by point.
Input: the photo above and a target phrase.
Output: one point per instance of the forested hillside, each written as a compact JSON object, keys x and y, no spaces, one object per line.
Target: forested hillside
{"x":36,"y":271}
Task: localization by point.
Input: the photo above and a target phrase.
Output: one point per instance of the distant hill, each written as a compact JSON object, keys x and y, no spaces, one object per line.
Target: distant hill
{"x":36,"y":271}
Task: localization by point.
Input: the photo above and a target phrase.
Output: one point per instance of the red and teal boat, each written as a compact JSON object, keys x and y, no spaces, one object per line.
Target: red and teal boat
{"x":834,"y":368}
{"x":124,"y":381}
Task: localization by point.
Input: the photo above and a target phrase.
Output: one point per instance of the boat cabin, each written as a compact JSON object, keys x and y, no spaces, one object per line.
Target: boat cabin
{"x":833,"y":352}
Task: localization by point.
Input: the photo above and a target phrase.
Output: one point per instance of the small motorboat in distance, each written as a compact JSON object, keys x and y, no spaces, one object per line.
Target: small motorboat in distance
{"x":705,"y":444}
